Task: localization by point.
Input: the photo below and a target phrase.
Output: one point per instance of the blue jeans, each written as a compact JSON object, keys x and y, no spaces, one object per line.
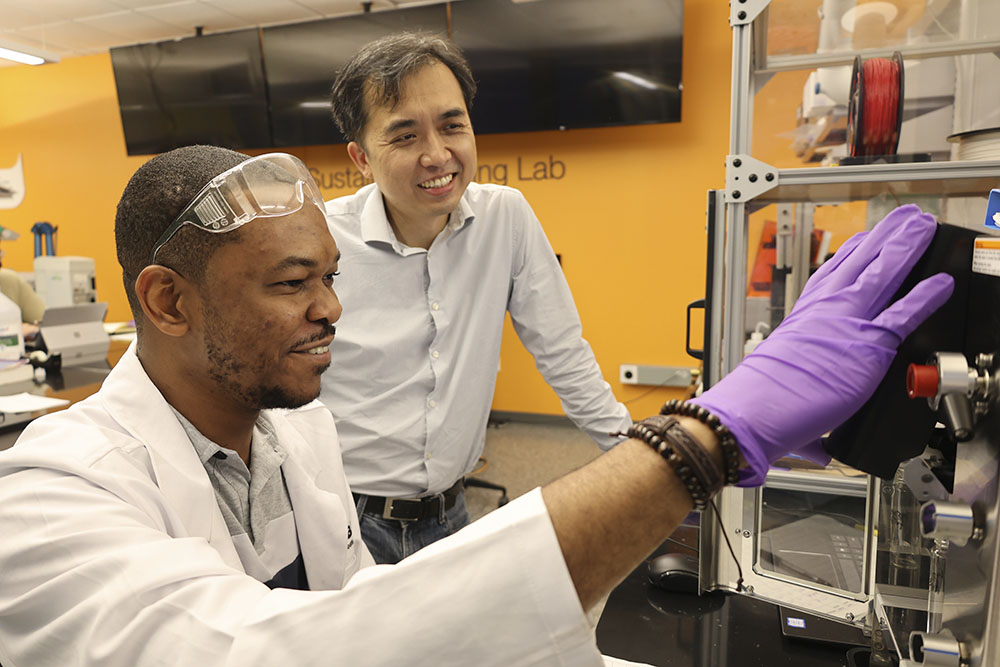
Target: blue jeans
{"x":391,"y":540}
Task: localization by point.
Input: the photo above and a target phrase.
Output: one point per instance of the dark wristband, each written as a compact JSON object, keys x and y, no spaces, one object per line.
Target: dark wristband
{"x":694,"y":466}
{"x":730,"y":448}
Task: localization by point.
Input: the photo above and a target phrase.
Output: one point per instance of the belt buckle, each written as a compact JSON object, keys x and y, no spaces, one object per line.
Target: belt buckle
{"x":387,"y":510}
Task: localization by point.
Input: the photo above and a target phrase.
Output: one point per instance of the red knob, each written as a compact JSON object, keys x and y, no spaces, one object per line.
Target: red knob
{"x":921,"y":381}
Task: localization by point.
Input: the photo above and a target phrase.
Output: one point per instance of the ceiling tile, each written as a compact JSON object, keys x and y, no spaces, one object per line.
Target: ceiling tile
{"x":72,"y":36}
{"x":64,"y":10}
{"x":23,"y":41}
{"x":187,"y":15}
{"x":340,"y":7}
{"x":17,"y":14}
{"x":74,"y":27}
{"x":263,"y":12}
{"x":142,"y":4}
{"x":132,"y":27}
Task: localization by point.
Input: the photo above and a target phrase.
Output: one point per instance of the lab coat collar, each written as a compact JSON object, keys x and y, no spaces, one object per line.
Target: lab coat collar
{"x":375,"y":227}
{"x":312,"y":480}
{"x":132,"y":399}
{"x":311,"y":483}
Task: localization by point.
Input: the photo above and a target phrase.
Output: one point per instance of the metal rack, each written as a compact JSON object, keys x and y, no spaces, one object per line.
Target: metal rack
{"x":751,"y":185}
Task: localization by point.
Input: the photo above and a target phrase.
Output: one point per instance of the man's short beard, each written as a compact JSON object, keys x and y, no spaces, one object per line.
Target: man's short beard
{"x":269,"y":398}
{"x":225,"y":371}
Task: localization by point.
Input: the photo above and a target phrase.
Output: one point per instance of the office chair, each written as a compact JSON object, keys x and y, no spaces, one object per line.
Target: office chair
{"x":472,"y":481}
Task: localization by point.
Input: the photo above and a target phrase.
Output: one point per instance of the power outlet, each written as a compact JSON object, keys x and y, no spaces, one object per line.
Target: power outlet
{"x":655,"y":376}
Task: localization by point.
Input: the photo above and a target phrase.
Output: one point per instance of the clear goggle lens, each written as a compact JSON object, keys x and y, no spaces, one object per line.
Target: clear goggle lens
{"x":265,"y":186}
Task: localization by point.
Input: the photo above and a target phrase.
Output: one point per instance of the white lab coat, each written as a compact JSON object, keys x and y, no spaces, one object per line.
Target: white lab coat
{"x":113,"y":552}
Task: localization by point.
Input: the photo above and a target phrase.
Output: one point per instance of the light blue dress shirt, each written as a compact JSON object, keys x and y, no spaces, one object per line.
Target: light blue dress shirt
{"x":417,"y":349}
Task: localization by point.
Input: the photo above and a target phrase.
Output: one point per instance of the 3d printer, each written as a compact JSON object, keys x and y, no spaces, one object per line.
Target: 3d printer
{"x":897,"y":537}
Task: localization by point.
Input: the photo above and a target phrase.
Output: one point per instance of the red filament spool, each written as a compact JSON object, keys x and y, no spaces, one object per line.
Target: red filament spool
{"x":875,"y":110}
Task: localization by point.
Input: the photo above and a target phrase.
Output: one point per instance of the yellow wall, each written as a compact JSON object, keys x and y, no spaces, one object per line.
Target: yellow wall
{"x":628,"y":215}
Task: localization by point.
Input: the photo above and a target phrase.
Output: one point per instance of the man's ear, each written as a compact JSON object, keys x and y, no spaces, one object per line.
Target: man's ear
{"x":359,"y":158}
{"x":166,"y":298}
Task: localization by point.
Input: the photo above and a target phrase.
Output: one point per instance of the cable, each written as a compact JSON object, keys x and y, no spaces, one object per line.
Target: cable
{"x":646,"y":393}
{"x":690,"y":389}
{"x":725,"y":534}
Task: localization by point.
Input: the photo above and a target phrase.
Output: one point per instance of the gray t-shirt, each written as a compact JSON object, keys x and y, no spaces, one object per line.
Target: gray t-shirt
{"x":255,"y":504}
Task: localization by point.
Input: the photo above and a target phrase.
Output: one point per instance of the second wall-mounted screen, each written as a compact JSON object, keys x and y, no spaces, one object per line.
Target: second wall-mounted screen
{"x":302,"y":59}
{"x":561,"y":64}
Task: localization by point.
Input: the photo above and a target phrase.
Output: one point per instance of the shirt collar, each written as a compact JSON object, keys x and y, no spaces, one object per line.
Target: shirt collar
{"x":263,"y":435}
{"x":375,"y":227}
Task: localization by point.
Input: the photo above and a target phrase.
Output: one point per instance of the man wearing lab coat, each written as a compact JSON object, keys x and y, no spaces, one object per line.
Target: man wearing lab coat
{"x":195,"y":510}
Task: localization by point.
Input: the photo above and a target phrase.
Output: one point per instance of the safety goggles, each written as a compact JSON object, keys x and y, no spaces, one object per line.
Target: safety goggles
{"x":265,"y":186}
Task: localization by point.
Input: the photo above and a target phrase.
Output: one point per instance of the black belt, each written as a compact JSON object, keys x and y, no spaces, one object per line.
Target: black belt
{"x":411,"y":509}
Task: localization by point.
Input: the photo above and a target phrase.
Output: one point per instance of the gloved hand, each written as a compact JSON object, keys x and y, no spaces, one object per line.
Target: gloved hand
{"x":828,"y":356}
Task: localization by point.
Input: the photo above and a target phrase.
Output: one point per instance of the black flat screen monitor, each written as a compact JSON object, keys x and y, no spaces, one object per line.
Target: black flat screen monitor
{"x":558,"y":64}
{"x":207,"y":90}
{"x":302,"y":59}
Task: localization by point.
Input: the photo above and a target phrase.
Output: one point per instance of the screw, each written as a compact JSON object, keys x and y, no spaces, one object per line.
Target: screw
{"x":741,"y":15}
{"x":753,"y":178}
{"x":737,"y":162}
{"x":849,"y":616}
{"x":736,"y":194}
{"x":746,"y":533}
{"x":769,"y":177}
{"x":748,"y":589}
{"x":926,"y":478}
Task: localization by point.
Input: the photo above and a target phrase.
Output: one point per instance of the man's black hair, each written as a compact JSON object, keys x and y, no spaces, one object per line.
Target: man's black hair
{"x":376,"y":73}
{"x":154,"y":197}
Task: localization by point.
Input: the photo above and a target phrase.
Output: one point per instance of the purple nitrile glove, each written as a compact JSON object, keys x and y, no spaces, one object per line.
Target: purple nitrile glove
{"x":821,"y":364}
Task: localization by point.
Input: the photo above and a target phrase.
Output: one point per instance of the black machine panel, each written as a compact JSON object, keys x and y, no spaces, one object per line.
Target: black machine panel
{"x":891,"y":427}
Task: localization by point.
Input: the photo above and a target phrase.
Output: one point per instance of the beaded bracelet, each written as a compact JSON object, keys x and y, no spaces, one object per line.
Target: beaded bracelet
{"x":730,"y":449}
{"x":661,"y":433}
{"x":693,"y":465}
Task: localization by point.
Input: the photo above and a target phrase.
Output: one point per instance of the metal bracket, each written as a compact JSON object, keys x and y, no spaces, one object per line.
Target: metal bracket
{"x":922,"y":481}
{"x":742,"y":12}
{"x":747,"y":178}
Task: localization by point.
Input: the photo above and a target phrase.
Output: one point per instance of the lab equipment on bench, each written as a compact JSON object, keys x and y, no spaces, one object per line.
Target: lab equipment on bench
{"x":896,"y":537}
{"x":64,"y":280}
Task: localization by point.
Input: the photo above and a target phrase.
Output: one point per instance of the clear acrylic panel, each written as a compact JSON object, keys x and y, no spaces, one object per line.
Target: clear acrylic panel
{"x":801,"y":27}
{"x":818,"y":539}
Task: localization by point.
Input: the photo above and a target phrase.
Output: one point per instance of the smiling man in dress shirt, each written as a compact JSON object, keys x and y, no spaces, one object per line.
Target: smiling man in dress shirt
{"x":433,"y":262}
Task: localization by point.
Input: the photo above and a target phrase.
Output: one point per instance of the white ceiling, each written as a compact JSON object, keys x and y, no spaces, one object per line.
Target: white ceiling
{"x":69,"y":28}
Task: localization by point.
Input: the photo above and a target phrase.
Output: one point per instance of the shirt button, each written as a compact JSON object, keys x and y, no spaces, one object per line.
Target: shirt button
{"x":427,"y":456}
{"x":432,"y":403}
{"x":435,"y":306}
{"x":435,"y":354}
